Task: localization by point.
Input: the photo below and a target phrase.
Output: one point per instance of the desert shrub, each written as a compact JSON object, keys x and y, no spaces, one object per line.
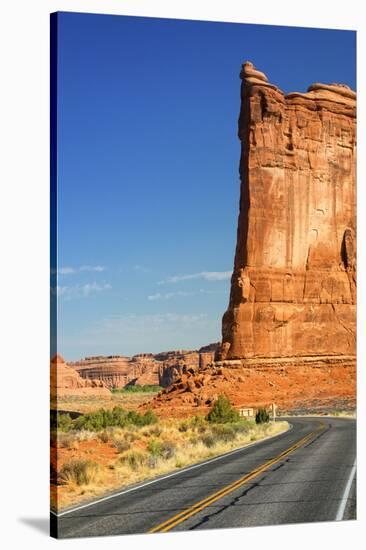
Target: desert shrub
{"x":183,"y":426}
{"x":243,"y":426}
{"x":64,"y":422}
{"x":104,"y":436}
{"x":208,"y":440}
{"x":119,"y":417}
{"x":137,"y":389}
{"x":138,"y":419}
{"x":149,"y":418}
{"x":222,"y":411}
{"x":94,"y":421}
{"x":84,"y":435}
{"x":198,"y":423}
{"x":152,"y":461}
{"x":168,"y":450}
{"x":155,"y":431}
{"x":223,"y":432}
{"x":154,"y":447}
{"x":81,"y":472}
{"x":262,"y":416}
{"x":121,"y":444}
{"x":67,"y":440}
{"x":131,"y":437}
{"x":133,"y":459}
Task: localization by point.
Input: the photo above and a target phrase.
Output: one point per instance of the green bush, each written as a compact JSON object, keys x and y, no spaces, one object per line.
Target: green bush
{"x":138,"y":419}
{"x":102,"y":419}
{"x":64,"y":422}
{"x":137,"y":389}
{"x":222,"y":411}
{"x":154,"y":447}
{"x":262,"y":416}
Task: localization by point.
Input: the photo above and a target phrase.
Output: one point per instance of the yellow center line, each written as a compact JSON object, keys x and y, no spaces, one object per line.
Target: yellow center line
{"x":200,"y":505}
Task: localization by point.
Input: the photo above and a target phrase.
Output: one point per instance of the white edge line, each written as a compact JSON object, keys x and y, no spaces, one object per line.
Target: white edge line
{"x":220,"y":457}
{"x":346,"y":492}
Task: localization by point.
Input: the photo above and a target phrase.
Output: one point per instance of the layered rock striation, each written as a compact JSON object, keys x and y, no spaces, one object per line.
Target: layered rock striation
{"x":293,"y":288}
{"x":66,"y":381}
{"x":161,"y":369}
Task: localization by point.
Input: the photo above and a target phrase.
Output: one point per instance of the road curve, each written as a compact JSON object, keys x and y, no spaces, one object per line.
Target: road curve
{"x":303,"y":475}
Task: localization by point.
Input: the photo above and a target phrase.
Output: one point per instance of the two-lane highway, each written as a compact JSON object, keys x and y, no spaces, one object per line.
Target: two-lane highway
{"x":306,"y":474}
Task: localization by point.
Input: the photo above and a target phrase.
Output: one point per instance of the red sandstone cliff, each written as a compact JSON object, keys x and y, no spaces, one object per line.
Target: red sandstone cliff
{"x":65,"y":381}
{"x":293,"y":289}
{"x":289,"y":331}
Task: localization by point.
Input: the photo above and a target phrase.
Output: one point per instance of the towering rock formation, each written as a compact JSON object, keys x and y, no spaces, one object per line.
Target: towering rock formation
{"x":289,"y":331}
{"x":293,"y":288}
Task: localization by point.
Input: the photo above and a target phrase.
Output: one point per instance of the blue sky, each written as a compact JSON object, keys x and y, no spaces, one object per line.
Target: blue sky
{"x":148,"y":170}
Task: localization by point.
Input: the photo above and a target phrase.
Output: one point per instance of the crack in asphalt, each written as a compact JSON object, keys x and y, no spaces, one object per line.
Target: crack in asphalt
{"x":236,"y":499}
{"x":209,"y":517}
{"x":321,"y":434}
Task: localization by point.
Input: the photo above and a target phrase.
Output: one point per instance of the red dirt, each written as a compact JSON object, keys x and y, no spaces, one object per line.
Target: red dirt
{"x":322,"y":385}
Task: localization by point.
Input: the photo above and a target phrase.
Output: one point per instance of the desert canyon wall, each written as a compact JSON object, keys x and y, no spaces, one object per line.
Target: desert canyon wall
{"x":161,"y":369}
{"x":65,"y":382}
{"x":293,"y":288}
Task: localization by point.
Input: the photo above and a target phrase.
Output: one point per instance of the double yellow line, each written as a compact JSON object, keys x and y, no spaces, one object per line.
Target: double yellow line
{"x":185,"y":514}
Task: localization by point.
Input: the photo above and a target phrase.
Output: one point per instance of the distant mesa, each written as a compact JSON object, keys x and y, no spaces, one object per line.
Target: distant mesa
{"x":160,"y":369}
{"x":66,"y":381}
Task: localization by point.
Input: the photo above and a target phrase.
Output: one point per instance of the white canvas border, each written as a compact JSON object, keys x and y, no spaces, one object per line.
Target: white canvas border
{"x":24,"y":227}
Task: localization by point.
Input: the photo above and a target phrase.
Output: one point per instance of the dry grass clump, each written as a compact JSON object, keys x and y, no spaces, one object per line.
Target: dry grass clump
{"x":67,"y":440}
{"x":168,"y":450}
{"x":79,"y":472}
{"x":133,"y":459}
{"x":121,"y":444}
{"x":83,"y":435}
{"x":104,"y":436}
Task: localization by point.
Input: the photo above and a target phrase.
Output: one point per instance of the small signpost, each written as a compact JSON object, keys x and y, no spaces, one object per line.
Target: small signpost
{"x":273,"y":409}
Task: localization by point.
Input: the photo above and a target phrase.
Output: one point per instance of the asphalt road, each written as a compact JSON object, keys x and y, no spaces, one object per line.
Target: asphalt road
{"x":303,"y":475}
